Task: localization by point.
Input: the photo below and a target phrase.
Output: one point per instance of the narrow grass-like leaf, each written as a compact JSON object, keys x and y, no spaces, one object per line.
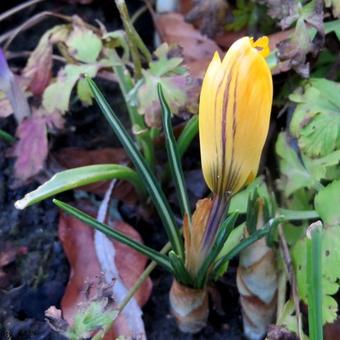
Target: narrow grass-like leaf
{"x":188,"y":134}
{"x":144,"y":171}
{"x":297,"y":215}
{"x":173,"y":156}
{"x":74,"y":178}
{"x":223,"y":233}
{"x":252,"y":211}
{"x":179,"y":270}
{"x":314,"y":277}
{"x":245,"y":243}
{"x":92,"y":222}
{"x":7,"y":137}
{"x":137,"y":121}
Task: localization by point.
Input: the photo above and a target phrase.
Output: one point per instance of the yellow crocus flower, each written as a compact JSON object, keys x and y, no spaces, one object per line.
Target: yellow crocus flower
{"x":234,"y":113}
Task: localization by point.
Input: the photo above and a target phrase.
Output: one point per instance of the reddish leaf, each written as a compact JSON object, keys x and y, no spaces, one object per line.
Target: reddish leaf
{"x":198,"y":50}
{"x":32,"y":148}
{"x":78,"y":242}
{"x":73,"y":157}
{"x":209,"y":15}
{"x":225,"y":39}
{"x":39,"y":67}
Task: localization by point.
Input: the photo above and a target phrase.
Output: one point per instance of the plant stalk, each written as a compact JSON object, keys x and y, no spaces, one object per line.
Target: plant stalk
{"x":314,"y":277}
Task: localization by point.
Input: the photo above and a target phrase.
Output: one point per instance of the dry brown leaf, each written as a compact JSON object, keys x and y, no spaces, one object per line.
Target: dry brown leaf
{"x":197,"y":49}
{"x":209,"y":15}
{"x":332,"y":331}
{"x":78,"y":242}
{"x":225,"y":39}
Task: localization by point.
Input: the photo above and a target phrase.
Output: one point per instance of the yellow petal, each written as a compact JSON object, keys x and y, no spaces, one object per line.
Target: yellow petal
{"x":234,"y":114}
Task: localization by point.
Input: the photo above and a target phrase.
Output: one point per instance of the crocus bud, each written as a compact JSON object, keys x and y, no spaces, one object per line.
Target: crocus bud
{"x":234,"y":114}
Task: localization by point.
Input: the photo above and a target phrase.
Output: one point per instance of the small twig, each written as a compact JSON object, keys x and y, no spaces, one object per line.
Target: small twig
{"x":138,"y":13}
{"x":31,"y":22}
{"x":141,"y":279}
{"x":281,"y":294}
{"x":133,"y":35}
{"x":18,"y":8}
{"x":291,"y":277}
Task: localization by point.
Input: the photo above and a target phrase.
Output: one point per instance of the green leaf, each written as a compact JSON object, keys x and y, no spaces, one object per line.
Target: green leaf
{"x":187,"y":135}
{"x":234,"y":238}
{"x":84,"y":45}
{"x":333,"y":26}
{"x":178,"y":86}
{"x":74,"y":178}
{"x":297,"y":215}
{"x":288,"y":320}
{"x":179,"y":270}
{"x":294,"y":173}
{"x":316,"y":120}
{"x":125,"y":82}
{"x":165,"y":64}
{"x":222,"y":235}
{"x":327,"y":203}
{"x":57,"y":95}
{"x":116,"y":39}
{"x":92,"y":318}
{"x":173,"y":156}
{"x":108,"y":231}
{"x":267,"y":228}
{"x":330,"y":270}
{"x":148,"y":99}
{"x":239,"y":202}
{"x":151,"y":182}
{"x":7,"y":137}
{"x":84,"y":92}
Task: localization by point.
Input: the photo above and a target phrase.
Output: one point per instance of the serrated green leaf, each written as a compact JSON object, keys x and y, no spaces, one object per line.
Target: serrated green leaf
{"x":320,"y":136}
{"x":327,"y":203}
{"x":164,"y":64}
{"x":84,"y":45}
{"x":295,"y":174}
{"x":316,"y":119}
{"x":179,"y":88}
{"x":57,"y":95}
{"x":148,"y":99}
{"x":84,"y":92}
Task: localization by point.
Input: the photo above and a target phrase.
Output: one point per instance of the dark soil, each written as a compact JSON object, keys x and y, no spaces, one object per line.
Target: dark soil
{"x":37,"y":279}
